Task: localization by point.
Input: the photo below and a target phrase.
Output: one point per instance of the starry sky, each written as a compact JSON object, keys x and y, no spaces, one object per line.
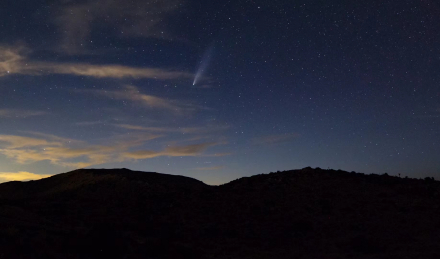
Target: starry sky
{"x":218,"y":90}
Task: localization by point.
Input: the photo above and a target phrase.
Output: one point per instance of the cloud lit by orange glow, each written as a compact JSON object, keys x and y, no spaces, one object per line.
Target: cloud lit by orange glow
{"x":79,"y":154}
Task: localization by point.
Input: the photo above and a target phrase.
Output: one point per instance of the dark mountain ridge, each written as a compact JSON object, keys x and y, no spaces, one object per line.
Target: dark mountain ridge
{"x":307,"y":213}
{"x":82,"y":178}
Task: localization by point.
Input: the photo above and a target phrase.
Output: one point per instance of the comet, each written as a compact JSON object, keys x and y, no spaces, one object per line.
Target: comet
{"x":203,"y":64}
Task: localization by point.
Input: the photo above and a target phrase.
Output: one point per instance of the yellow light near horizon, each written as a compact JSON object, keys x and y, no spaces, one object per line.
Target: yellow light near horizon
{"x":20,"y":176}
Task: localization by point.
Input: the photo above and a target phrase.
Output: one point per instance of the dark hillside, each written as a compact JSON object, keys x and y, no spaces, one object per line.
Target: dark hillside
{"x":81,"y":178}
{"x":308,"y":213}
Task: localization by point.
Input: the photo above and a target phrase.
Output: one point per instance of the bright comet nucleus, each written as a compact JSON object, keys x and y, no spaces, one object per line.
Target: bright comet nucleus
{"x":203,"y":64}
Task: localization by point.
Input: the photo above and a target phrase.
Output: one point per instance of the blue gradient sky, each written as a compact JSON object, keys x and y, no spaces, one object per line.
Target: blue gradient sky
{"x":288,"y":84}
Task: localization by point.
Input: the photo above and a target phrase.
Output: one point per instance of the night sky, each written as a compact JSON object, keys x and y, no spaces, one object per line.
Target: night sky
{"x":217,"y":90}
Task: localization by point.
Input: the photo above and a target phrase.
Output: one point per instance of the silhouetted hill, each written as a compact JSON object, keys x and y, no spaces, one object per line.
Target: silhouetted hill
{"x":308,"y":213}
{"x":81,"y":179}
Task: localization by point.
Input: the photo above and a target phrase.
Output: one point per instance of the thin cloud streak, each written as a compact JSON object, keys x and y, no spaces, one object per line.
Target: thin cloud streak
{"x":12,"y":141}
{"x":15,"y":113}
{"x":89,"y":123}
{"x":274,"y":139}
{"x":52,"y":137}
{"x":210,"y":168}
{"x":218,"y":154}
{"x":112,"y":71}
{"x":62,"y":155}
{"x":79,"y":154}
{"x":188,"y":150}
{"x":131,"y":93}
{"x":186,"y":130}
{"x":14,"y":61}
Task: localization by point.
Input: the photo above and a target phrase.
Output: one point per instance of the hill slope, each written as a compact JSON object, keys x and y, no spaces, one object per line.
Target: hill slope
{"x":308,"y":213}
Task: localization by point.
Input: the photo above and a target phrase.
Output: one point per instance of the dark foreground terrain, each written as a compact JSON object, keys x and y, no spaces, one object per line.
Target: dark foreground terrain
{"x":308,"y":213}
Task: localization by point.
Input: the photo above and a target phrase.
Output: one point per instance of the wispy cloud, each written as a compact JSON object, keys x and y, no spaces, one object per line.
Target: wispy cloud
{"x":53,"y":138}
{"x":13,"y":60}
{"x":273,"y":139}
{"x":131,"y":93}
{"x":141,"y":128}
{"x":60,"y":155}
{"x":188,"y":150}
{"x":218,"y":154}
{"x":139,"y":18}
{"x":65,"y":152}
{"x":14,"y":113}
{"x":210,"y":168}
{"x":79,"y":154}
{"x":111,"y":71}
{"x":186,"y":130}
{"x":12,"y":141}
{"x":20,"y":176}
{"x":89,"y":123}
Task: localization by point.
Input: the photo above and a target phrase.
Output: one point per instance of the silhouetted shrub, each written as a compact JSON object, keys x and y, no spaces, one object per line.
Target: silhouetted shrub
{"x":429,"y":179}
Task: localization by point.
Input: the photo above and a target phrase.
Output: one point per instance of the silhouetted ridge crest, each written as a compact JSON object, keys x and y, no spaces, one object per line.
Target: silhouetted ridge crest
{"x":306,"y":213}
{"x":83,"y":178}
{"x":309,"y":172}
